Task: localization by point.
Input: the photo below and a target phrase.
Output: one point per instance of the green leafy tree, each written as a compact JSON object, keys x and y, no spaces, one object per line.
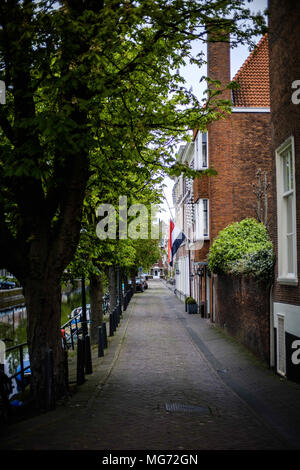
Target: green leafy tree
{"x":114,"y":259}
{"x":74,"y":70}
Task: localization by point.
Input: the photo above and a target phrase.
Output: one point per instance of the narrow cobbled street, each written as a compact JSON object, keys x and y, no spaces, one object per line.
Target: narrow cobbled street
{"x":172,"y":381}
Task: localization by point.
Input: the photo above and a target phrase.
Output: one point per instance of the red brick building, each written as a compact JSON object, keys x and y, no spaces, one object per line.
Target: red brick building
{"x":284,"y":52}
{"x":237,"y":147}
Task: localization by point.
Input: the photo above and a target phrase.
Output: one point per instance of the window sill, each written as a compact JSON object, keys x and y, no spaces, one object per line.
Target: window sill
{"x":195,"y":244}
{"x":288,"y":281}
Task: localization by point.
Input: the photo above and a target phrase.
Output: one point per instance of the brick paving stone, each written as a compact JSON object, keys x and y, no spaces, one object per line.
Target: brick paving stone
{"x":161,"y":355}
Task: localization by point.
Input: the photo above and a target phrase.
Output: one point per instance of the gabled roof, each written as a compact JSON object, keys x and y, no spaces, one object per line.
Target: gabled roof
{"x":253,"y":78}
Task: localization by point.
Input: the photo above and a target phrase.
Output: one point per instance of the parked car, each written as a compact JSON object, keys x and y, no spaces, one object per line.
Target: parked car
{"x":7,"y":284}
{"x":139,"y":285}
{"x":77,"y":311}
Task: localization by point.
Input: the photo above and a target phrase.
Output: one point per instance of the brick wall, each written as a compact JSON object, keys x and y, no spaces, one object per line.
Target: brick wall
{"x":242,"y":308}
{"x":238,"y":146}
{"x":284,"y":52}
{"x":218,"y":63}
{"x":201,"y":187}
{"x":201,"y":255}
{"x":250,"y":151}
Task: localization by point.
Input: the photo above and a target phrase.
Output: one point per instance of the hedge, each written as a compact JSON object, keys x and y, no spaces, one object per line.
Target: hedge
{"x":243,"y":248}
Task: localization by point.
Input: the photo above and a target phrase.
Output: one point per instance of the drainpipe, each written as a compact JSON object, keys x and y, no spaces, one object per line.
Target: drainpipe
{"x":272,"y":358}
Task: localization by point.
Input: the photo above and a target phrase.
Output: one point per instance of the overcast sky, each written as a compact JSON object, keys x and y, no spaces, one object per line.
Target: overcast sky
{"x":192,"y":75}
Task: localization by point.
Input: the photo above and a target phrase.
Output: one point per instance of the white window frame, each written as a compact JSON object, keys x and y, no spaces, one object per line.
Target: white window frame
{"x":284,"y":276}
{"x":198,"y":155}
{"x":199,"y":220}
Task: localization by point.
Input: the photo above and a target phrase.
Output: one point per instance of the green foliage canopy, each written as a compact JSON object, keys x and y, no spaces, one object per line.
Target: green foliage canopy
{"x":86,"y":79}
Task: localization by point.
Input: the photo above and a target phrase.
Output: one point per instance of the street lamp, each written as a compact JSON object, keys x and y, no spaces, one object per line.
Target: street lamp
{"x":200,"y":272}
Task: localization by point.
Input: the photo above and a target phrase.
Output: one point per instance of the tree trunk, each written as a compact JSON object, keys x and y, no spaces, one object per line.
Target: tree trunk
{"x":133,"y":276}
{"x":96,"y":314}
{"x":43,"y":303}
{"x":112,"y":286}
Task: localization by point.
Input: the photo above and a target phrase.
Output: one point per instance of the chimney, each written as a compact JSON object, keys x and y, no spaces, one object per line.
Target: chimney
{"x":218,"y":56}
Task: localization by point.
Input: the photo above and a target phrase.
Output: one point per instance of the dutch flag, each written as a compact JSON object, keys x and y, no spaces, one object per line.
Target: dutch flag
{"x":176,"y":237}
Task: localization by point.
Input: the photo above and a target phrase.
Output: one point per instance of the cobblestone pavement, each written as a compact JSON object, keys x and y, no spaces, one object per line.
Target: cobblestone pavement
{"x":170,"y":381}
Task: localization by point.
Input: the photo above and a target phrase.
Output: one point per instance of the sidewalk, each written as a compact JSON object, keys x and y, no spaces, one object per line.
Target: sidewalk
{"x":169,"y":380}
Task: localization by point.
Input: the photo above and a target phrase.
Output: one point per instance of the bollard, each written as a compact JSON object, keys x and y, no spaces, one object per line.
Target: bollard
{"x":104,"y":335}
{"x":117,"y":315}
{"x":80,"y":362}
{"x":114,"y":319}
{"x":88,"y":355}
{"x":100,"y":342}
{"x":49,"y":389}
{"x":111,"y":325}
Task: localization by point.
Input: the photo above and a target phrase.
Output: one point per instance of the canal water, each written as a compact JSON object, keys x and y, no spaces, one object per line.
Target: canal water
{"x":13,"y":324}
{"x":13,"y":327}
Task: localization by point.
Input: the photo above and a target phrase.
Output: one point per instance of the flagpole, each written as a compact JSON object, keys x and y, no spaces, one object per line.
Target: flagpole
{"x":190,"y":279}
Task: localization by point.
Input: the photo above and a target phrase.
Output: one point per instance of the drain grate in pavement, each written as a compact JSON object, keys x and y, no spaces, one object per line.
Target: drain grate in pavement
{"x":180,"y":407}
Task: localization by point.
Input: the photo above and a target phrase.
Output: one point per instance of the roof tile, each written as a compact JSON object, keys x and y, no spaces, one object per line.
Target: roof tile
{"x":253,"y":78}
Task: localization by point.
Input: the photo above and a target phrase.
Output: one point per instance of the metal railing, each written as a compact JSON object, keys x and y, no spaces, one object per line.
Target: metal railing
{"x":71,"y":330}
{"x":20,"y":374}
{"x":72,"y":333}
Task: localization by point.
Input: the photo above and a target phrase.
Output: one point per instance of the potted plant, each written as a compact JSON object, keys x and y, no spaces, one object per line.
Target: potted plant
{"x":186,"y":301}
{"x":191,"y":305}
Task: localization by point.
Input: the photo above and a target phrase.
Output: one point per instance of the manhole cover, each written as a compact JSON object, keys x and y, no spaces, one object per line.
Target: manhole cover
{"x":180,"y":407}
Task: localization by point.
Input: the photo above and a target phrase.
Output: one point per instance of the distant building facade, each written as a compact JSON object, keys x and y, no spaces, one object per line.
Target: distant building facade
{"x":238,"y":147}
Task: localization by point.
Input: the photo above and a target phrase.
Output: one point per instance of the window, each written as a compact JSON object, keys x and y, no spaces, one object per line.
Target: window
{"x":201,"y":156}
{"x":286,"y":213}
{"x":202,"y":219}
{"x":205,"y":217}
{"x":204,"y":150}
